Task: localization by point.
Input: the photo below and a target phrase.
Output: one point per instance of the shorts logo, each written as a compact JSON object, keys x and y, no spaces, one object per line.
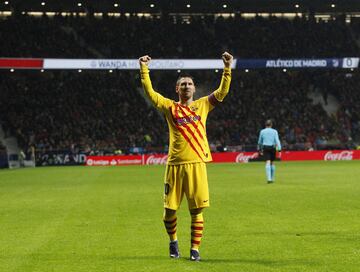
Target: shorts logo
{"x":167,"y":188}
{"x":206,"y":200}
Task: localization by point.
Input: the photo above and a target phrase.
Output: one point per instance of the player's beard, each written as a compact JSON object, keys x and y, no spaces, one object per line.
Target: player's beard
{"x":187,"y":94}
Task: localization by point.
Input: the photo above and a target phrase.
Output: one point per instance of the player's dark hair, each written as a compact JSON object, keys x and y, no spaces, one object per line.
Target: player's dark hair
{"x":268,"y":123}
{"x":182,"y":76}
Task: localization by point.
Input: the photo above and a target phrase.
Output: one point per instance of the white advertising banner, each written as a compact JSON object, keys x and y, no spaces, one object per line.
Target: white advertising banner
{"x":133,"y":64}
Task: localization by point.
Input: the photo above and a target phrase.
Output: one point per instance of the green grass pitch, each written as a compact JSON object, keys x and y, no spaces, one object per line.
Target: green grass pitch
{"x":83,"y":219}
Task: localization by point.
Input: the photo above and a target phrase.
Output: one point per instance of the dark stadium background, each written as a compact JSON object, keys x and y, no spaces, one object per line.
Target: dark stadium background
{"x":85,"y":219}
{"x":104,"y":112}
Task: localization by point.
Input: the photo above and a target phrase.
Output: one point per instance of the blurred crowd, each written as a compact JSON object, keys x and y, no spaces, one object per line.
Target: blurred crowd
{"x":89,"y":111}
{"x":99,"y":112}
{"x":177,"y":36}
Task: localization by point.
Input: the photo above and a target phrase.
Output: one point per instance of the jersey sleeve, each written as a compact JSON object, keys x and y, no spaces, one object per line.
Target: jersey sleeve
{"x":159,"y":101}
{"x":206,"y":102}
{"x":219,"y":94}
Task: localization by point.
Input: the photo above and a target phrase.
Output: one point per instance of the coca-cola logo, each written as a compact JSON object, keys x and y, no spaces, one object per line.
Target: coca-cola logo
{"x":242,"y":157}
{"x":340,"y":156}
{"x":156,"y":160}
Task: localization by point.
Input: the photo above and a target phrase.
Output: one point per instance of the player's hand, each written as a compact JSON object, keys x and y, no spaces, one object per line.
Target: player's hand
{"x":145,"y":60}
{"x":227,"y":59}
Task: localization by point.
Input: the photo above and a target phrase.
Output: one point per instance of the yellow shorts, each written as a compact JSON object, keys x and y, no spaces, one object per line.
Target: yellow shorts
{"x":189,"y":179}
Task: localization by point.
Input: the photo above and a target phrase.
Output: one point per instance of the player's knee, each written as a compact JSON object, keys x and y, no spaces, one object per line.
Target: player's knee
{"x":168,"y":214}
{"x":196,"y":211}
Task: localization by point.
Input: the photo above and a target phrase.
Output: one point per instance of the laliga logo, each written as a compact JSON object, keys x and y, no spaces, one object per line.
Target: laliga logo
{"x":342,"y":156}
{"x":90,"y":162}
{"x":241,"y":157}
{"x":153,"y":160}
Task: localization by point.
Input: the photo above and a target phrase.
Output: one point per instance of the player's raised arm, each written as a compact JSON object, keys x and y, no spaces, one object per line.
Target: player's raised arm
{"x":220,"y":93}
{"x":157,"y":99}
{"x":145,"y":73}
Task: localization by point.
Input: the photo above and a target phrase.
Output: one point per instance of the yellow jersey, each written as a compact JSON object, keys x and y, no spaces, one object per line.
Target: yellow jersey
{"x":187,"y":124}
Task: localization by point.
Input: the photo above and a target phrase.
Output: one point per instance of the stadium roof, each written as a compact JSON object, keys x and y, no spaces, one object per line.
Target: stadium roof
{"x":183,"y":6}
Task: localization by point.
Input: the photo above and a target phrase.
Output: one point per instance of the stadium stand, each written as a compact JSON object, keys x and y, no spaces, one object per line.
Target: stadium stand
{"x":102,"y":112}
{"x":114,"y":37}
{"x":66,"y":110}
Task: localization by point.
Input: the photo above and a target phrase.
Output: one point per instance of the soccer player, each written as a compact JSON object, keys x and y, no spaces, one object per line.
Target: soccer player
{"x":268,"y":144}
{"x":188,"y":150}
